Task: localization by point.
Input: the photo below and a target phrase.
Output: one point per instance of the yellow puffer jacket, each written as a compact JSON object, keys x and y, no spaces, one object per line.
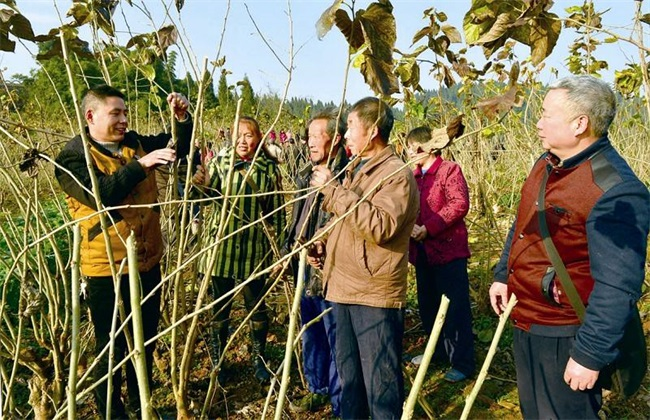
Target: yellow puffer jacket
{"x":122,"y":182}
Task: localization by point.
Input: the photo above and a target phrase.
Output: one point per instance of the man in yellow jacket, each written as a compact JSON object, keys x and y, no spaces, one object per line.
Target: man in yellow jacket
{"x":123,"y":162}
{"x":365,"y":262}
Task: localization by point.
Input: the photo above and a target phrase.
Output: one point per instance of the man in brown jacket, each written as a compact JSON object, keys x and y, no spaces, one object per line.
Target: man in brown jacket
{"x":363,"y":253}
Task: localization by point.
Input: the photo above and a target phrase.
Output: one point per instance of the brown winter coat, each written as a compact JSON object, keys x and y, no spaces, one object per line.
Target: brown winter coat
{"x":367,"y":252}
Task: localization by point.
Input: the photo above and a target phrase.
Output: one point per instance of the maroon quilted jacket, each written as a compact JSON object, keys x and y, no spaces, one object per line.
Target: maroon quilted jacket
{"x":444,"y":203}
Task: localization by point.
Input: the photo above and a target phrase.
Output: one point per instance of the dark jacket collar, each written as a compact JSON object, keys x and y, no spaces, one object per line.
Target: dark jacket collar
{"x":591,"y":151}
{"x":336,"y":165}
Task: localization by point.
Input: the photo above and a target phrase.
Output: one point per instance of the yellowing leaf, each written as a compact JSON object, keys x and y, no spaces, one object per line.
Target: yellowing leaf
{"x":379,"y":75}
{"x":427,"y":30}
{"x":452,"y":33}
{"x":499,"y":28}
{"x":443,"y":137}
{"x":167,"y":36}
{"x":494,"y":106}
{"x":148,"y":71}
{"x":326,"y":20}
{"x":379,"y":30}
{"x":351,"y":29}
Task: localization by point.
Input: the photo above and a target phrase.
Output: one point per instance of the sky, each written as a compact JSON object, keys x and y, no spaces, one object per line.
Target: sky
{"x":258,"y":45}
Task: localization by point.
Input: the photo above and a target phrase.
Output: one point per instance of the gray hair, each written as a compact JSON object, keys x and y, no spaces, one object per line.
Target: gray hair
{"x":592,"y":97}
{"x":335,"y":124}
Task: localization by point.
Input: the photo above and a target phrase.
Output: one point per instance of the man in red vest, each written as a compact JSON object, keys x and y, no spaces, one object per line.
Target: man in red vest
{"x":597,"y":212}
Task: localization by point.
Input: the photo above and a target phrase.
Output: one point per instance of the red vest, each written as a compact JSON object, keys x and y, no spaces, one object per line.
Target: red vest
{"x":570,"y":195}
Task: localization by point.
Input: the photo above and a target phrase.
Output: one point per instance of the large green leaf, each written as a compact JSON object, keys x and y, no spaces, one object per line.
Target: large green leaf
{"x":409,"y":72}
{"x":149,"y":72}
{"x":498,"y":29}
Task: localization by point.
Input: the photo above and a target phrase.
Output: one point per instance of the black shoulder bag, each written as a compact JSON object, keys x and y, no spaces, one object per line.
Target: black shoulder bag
{"x":625,"y":374}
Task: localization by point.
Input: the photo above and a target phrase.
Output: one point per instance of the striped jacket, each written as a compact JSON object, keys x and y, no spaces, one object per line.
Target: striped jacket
{"x":240,"y":254}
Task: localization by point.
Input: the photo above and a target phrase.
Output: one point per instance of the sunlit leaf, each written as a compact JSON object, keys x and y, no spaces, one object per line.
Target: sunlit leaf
{"x":421,"y":33}
{"x":499,"y":28}
{"x":452,"y":33}
{"x":220,"y":62}
{"x":409,"y":72}
{"x":80,"y":13}
{"x":326,"y":20}
{"x":477,"y":21}
{"x":629,"y":80}
{"x":148,"y":71}
{"x":443,"y":137}
{"x":5,"y":15}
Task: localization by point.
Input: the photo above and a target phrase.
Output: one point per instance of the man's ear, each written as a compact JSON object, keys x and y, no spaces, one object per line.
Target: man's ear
{"x":375,"y":132}
{"x":582,"y":125}
{"x":89,"y":116}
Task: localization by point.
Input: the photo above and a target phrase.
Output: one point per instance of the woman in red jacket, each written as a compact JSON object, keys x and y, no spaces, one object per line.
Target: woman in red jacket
{"x":439,"y":251}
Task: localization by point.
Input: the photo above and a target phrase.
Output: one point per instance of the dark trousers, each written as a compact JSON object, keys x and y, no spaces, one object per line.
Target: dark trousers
{"x":101,"y":300}
{"x":318,"y":350}
{"x":369,"y":361}
{"x":543,"y":394}
{"x":252,"y":293}
{"x":456,"y":342}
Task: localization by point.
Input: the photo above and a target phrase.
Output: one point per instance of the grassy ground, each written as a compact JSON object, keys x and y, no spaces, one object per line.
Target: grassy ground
{"x":243,"y":398}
